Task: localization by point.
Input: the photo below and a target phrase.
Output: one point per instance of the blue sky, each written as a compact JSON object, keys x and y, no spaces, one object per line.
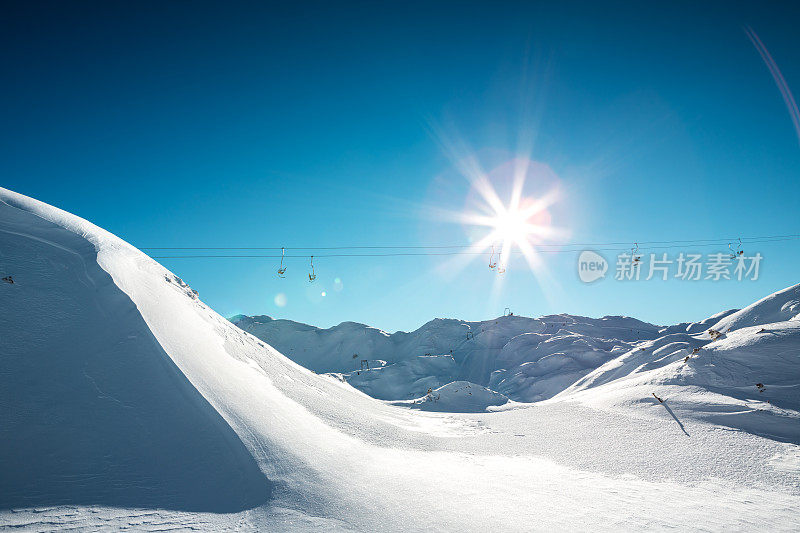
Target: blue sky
{"x":321,"y":125}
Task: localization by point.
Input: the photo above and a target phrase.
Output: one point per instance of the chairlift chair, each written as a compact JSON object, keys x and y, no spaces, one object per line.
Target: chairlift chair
{"x":634,"y":253}
{"x":738,"y":252}
{"x":282,"y":269}
{"x":311,"y":275}
{"x":492,"y":260}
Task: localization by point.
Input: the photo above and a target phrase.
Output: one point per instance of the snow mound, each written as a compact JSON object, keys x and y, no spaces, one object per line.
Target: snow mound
{"x":458,"y":397}
{"x":92,"y":409}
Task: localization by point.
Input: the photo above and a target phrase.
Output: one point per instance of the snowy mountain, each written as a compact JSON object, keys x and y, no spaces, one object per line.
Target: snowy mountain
{"x":126,"y":402}
{"x":525,"y":359}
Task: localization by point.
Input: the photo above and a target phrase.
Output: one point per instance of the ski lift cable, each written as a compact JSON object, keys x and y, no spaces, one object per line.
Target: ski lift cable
{"x":744,"y":240}
{"x":751,"y":240}
{"x":454,"y":253}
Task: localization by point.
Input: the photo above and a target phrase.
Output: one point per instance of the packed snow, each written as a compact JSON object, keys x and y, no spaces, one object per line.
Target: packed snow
{"x":126,"y":402}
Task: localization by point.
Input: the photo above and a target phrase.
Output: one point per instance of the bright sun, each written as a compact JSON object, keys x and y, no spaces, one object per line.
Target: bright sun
{"x":520,"y":226}
{"x":511,"y":226}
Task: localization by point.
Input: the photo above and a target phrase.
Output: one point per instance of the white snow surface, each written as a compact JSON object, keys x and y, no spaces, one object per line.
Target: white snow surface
{"x":125,"y":402}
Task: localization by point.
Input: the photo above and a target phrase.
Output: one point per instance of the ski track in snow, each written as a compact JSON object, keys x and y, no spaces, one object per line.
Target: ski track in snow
{"x":293,"y":450}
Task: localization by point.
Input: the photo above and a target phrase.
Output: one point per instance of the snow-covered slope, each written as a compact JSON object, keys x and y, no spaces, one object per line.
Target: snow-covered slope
{"x":523,"y":358}
{"x":125,"y":402}
{"x":697,"y":327}
{"x":744,"y":371}
{"x":93,"y":411}
{"x":779,"y":307}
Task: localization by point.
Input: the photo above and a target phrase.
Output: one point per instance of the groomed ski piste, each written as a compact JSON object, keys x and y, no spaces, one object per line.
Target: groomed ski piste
{"x":126,"y":402}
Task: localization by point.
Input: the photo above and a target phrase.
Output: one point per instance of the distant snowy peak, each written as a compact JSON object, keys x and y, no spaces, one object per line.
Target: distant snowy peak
{"x":525,"y":359}
{"x":531,"y":359}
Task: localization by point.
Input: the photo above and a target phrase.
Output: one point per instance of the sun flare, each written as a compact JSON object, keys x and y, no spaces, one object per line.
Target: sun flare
{"x":508,"y":211}
{"x":520,"y":226}
{"x":512,"y":226}
{"x":506,"y":218}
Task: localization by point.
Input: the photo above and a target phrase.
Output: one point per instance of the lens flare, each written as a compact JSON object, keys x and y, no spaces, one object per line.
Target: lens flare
{"x":508,"y":213}
{"x":783,"y":87}
{"x":509,"y":210}
{"x":521,"y":223}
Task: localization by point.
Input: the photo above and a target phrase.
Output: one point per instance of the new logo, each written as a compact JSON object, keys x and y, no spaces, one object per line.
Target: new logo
{"x":591,"y":266}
